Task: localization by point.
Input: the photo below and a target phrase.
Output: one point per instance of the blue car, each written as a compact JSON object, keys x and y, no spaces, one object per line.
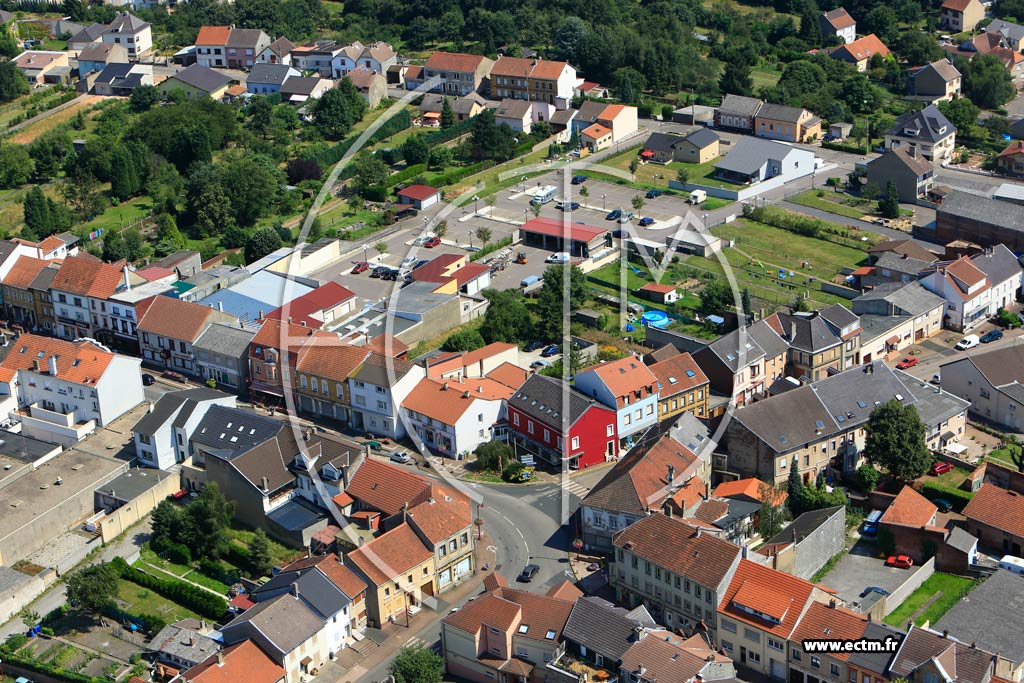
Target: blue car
{"x":533,"y":346}
{"x":551,"y":350}
{"x":652,"y":194}
{"x":614,"y":215}
{"x":645,"y":221}
{"x":579,"y":179}
{"x":991,"y":336}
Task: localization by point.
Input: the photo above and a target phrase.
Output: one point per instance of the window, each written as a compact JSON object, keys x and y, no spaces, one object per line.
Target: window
{"x":302,"y":381}
{"x":833,"y":669}
{"x":754,"y":657}
{"x":752,"y":635}
{"x":776,"y":644}
{"x":314,"y":383}
{"x":529,"y":426}
{"x":575,"y":442}
{"x":609,"y":430}
{"x":729,"y":626}
{"x":696,"y":591}
{"x":464,"y":539}
{"x":144,"y":438}
{"x":650,"y":409}
{"x":931,"y":678}
{"x":726,"y":645}
{"x":797,"y":656}
{"x":816,"y":663}
{"x":515,"y":419}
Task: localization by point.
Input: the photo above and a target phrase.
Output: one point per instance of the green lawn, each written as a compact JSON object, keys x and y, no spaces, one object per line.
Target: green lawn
{"x":1005,"y":455}
{"x":833,"y":202}
{"x":712,"y":203}
{"x":787,"y":250}
{"x":147,"y":556}
{"x":280,"y":554}
{"x":135,"y":599}
{"x":658,"y":175}
{"x":943,"y":590}
{"x":121,"y":215}
{"x":607,"y":278}
{"x":764,"y":78}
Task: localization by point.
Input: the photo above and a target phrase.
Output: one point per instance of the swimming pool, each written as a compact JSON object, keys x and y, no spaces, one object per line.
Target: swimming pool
{"x":655,"y":318}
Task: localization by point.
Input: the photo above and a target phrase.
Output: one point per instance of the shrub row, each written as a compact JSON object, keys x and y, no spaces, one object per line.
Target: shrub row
{"x":442,"y":136}
{"x":957,"y":497}
{"x":839,"y":147}
{"x":150,"y":623}
{"x":408,"y":173}
{"x":491,"y":248}
{"x":397,"y":123}
{"x":192,"y":597}
{"x":178,"y":553}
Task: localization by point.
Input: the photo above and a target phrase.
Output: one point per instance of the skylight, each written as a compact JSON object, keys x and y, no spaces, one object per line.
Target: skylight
{"x":523,"y":628}
{"x":691,"y":373}
{"x":673,"y":380}
{"x":819,"y":424}
{"x":550,"y":635}
{"x":782,"y":438}
{"x":862,"y":404}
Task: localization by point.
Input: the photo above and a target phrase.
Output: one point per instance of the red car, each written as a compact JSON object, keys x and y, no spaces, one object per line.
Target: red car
{"x":432,"y":242}
{"x":940,"y":468}
{"x":907,"y":362}
{"x":900,"y":561}
{"x":360,"y":267}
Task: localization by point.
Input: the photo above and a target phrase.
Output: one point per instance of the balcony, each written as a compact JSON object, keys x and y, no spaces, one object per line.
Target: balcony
{"x":46,"y":423}
{"x":576,"y":669}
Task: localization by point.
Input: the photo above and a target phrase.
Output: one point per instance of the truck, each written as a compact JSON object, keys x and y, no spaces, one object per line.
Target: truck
{"x":697,"y":197}
{"x":543,"y":195}
{"x":529,"y":280}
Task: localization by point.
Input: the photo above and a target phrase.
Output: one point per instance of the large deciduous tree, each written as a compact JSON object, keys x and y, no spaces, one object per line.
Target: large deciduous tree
{"x":93,"y":588}
{"x":895,"y":440}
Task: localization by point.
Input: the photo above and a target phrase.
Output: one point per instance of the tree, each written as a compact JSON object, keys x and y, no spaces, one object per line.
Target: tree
{"x":870,"y":191}
{"x":895,"y":440}
{"x":368,"y":171}
{"x":381,"y":247}
{"x":745,"y":301}
{"x":868,"y":477}
{"x":417,"y":664}
{"x":716,"y":297}
{"x":810,"y":29}
{"x":638,"y":202}
{"x":13,"y":83}
{"x":260,"y":113}
{"x":490,"y":141}
{"x":683,"y":175}
{"x":447,"y":114}
{"x":262,"y":242}
{"x":337,"y":111}
{"x":889,"y":206}
{"x":883,"y":22}
{"x":666,"y":112}
{"x":209,"y":516}
{"x":771,"y":517}
{"x":918,"y":47}
{"x":253,"y":183}
{"x":484,"y":235}
{"x":986,"y":81}
{"x":492,"y":456}
{"x":49,"y":151}
{"x":81,"y":190}
{"x":801,"y":81}
{"x":37,"y":210}
{"x":29,"y":617}
{"x":93,"y":588}
{"x":507,"y":318}
{"x":736,"y":79}
{"x":169,"y":521}
{"x":962,"y":113}
{"x":16,"y":165}
{"x":415,"y":150}
{"x":259,"y":553}
{"x":441,"y":229}
{"x":464,"y":340}
{"x":144,"y":98}
{"x":212,"y":211}
{"x":553,"y":310}
{"x":795,"y":488}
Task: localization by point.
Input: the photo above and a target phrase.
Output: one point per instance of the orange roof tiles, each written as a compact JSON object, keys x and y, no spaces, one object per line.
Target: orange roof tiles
{"x":863,"y":48}
{"x":244,"y":661}
{"x":639,"y":481}
{"x":543,"y":614}
{"x":997,"y":508}
{"x":909,"y":508}
{"x":768,"y":591}
{"x":468,"y":359}
{"x":447,"y":400}
{"x":25,"y":270}
{"x":341,"y":576}
{"x":1015,"y":147}
{"x":388,"y":556}
{"x":840,"y":19}
{"x":175,"y":319}
{"x":277,"y":334}
{"x":658,"y":287}
{"x":625,"y":375}
{"x":51,"y":243}
{"x":518,"y":67}
{"x":508,"y":374}
{"x":611,"y":112}
{"x":822,"y":622}
{"x":956,"y":5}
{"x":330,"y":358}
{"x":448,"y":514}
{"x":80,"y":362}
{"x":385,"y":487}
{"x":490,"y":610}
{"x":213,"y":35}
{"x":565,"y":590}
{"x":596,"y":131}
{"x":454,"y":61}
{"x":387,"y":345}
{"x":88,"y":277}
{"x":677,"y":374}
{"x":751,"y":488}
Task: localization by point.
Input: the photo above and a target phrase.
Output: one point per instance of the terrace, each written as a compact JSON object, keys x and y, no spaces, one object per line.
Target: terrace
{"x":576,"y":669}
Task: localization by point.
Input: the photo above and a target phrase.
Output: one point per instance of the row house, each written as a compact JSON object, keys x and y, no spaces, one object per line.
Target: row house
{"x":456,"y":74}
{"x":272,"y":358}
{"x":168,"y":328}
{"x":619,"y":120}
{"x":26,"y":294}
{"x":677,"y":571}
{"x":682,"y":387}
{"x":227,"y":47}
{"x":317,"y":57}
{"x":537,"y":80}
{"x":243,"y":661}
{"x":991,"y":382}
{"x":378,"y":387}
{"x":222,"y":354}
{"x":643,"y":481}
{"x":278,"y":52}
{"x":743,"y":363}
{"x":377,"y":57}
{"x":820,"y":343}
{"x":873,"y":667}
{"x":119,"y":315}
{"x":58,"y":246}
{"x":66,"y":390}
{"x":974,"y":288}
{"x":928,"y":656}
{"x":453,"y":417}
{"x":323,"y":367}
{"x":163,"y":434}
{"x":790,"y":124}
{"x":550,"y":421}
{"x":80,"y":292}
{"x":825,"y":621}
{"x":628,"y":387}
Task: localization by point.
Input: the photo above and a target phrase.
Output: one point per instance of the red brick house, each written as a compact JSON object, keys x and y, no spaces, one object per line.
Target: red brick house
{"x":910,"y":518}
{"x":996,"y":517}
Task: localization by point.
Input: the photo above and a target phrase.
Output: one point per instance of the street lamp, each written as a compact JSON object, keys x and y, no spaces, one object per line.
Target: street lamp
{"x":470,"y":233}
{"x":604,"y":207}
{"x":705,"y":217}
{"x":522,"y":182}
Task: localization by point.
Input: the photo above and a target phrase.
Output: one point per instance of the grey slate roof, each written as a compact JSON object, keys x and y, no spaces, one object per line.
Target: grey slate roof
{"x":229,"y":432}
{"x":89,"y":33}
{"x":876,"y":662}
{"x":1014,"y":32}
{"x":998,"y":263}
{"x":661,"y":142}
{"x":114,"y":72}
{"x":604,"y":628}
{"x":183,"y":643}
{"x":933,"y":406}
{"x":928,"y":124}
{"x":851,"y":396}
{"x":314,"y":588}
{"x":807,"y":333}
{"x":750,"y":154}
{"x":692,"y":433}
{"x":773,"y":420}
{"x":727,"y":348}
{"x":126,"y":23}
{"x":702,"y":137}
{"x":282,"y":623}
{"x":169,"y":404}
{"x":226,"y":340}
{"x":275,"y":74}
{"x":541,"y":398}
{"x":901,"y":264}
{"x":1006,"y":215}
{"x":202,"y":78}
{"x":780,"y":112}
{"x":961,"y":540}
{"x":740,"y":106}
{"x":300,"y":85}
{"x":904,"y":299}
{"x":838,"y":316}
{"x":803,"y":525}
{"x":244,"y":37}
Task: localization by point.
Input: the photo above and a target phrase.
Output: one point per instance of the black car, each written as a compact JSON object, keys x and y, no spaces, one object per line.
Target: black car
{"x":991,"y":336}
{"x":652,"y":194}
{"x":148,"y":379}
{"x":570,"y":206}
{"x":551,"y":351}
{"x":942,"y":504}
{"x":529,"y":571}
{"x":534,"y":345}
{"x":579,"y":179}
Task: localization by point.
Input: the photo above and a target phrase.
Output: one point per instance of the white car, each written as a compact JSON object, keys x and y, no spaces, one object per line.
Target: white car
{"x":400,"y":457}
{"x":968,"y":342}
{"x":558,"y":257}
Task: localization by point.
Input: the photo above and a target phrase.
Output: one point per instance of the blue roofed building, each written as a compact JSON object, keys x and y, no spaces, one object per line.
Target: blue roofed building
{"x":258,"y":295}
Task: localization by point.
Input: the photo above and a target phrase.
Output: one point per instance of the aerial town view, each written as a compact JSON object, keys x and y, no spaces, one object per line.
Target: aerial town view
{"x":660,"y":341}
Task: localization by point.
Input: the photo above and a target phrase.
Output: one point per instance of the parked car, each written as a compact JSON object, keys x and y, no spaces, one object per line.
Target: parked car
{"x":558,"y":257}
{"x":900,"y":561}
{"x":567,"y":206}
{"x":148,"y":379}
{"x":179,"y":494}
{"x":379,"y":271}
{"x":645,"y":221}
{"x":938,"y":468}
{"x":613,"y":215}
{"x":908,"y":362}
{"x":432,"y":242}
{"x":360,"y":267}
{"x":400,"y":457}
{"x":935,"y":379}
{"x":529,"y":571}
{"x":534,"y":345}
{"x":968,"y":342}
{"x":579,"y":179}
{"x":407,"y":262}
{"x":175,"y":376}
{"x":942,"y":504}
{"x":551,"y":350}
{"x":626,"y":216}
{"x":538,"y":364}
{"x":991,"y":336}
{"x":874,"y":589}
{"x":652,"y":194}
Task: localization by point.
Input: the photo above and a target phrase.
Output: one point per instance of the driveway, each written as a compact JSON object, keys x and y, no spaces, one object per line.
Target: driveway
{"x":861,"y":568}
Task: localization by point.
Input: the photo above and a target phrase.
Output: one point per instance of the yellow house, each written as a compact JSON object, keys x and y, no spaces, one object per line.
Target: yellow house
{"x":792,"y":124}
{"x":682,"y":387}
{"x":596,"y":137}
{"x":323,"y":367}
{"x":445,"y":523}
{"x":196,"y":81}
{"x":399,"y":570}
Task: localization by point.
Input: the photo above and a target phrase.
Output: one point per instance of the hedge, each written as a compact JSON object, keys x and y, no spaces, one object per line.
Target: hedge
{"x":406,"y":174}
{"x":192,"y":597}
{"x":850,"y":149}
{"x":396,"y":124}
{"x":957,"y":497}
{"x":444,"y":135}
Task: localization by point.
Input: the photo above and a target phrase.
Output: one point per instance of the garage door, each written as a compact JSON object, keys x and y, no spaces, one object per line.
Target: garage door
{"x":778,"y":669}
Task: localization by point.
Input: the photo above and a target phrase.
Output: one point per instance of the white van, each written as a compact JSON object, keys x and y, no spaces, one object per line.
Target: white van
{"x":1012,"y":564}
{"x":558,"y":257}
{"x":544,"y":195}
{"x":968,"y":342}
{"x":697,"y":197}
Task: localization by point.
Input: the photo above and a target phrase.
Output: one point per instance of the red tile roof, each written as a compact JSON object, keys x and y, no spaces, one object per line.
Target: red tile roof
{"x":51,"y":243}
{"x":558,"y":228}
{"x":154,"y":273}
{"x":447,"y":400}
{"x":323,"y":298}
{"x":659,"y":288}
{"x":88,"y":277}
{"x":341,"y":576}
{"x":1015,"y":147}
{"x":862,"y":48}
{"x":390,"y":555}
{"x":80,"y":362}
{"x":385,"y":487}
{"x":596,"y":131}
{"x":840,"y":19}
{"x":175,"y":319}
{"x":330,"y":358}
{"x":518,"y":67}
{"x":418,"y":192}
{"x":487,"y":610}
{"x":678,"y":547}
{"x":639,"y":480}
{"x":751,"y":488}
{"x":447,"y":515}
{"x":213,"y":35}
{"x":768,"y":591}
{"x":997,"y":508}
{"x":454,"y":61}
{"x":447,"y":267}
{"x":469,"y":359}
{"x":910,"y":508}
{"x":956,"y":5}
{"x":625,"y":375}
{"x":25,"y":270}
{"x":510,"y":375}
{"x":244,"y":661}
{"x":822,"y":622}
{"x":387,"y":345}
{"x":677,"y":374}
{"x":565,"y":590}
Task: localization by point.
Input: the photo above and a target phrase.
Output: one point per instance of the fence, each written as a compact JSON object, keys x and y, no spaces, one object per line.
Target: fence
{"x":896,"y":597}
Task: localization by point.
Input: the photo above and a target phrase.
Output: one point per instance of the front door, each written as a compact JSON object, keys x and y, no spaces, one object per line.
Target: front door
{"x":743,"y":655}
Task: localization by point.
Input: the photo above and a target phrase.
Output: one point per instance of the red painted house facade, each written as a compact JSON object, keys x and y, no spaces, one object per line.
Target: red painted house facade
{"x":552,"y":422}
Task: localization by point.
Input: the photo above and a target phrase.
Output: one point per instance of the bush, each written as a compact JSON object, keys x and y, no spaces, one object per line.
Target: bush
{"x":179,"y":553}
{"x":513,"y":471}
{"x":957,"y":497}
{"x":15,"y":642}
{"x":376,"y":193}
{"x":867,"y":477}
{"x":196,"y":599}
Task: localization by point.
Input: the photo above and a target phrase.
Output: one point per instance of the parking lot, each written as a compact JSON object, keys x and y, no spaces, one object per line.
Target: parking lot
{"x":861,"y":568}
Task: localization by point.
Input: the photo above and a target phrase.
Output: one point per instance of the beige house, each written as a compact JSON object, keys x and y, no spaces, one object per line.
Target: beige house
{"x":370,"y":84}
{"x":36,"y":64}
{"x":459,"y":74}
{"x":961,"y":15}
{"x":791,"y":124}
{"x":620,"y":119}
{"x":445,"y":523}
{"x":934,"y":82}
{"x":596,"y":137}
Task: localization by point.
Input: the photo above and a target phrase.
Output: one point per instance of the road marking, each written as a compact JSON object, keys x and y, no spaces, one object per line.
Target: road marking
{"x":518,"y":531}
{"x":493,"y":549}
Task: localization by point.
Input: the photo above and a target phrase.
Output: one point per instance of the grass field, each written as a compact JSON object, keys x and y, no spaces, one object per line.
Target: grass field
{"x":607,"y":278}
{"x":121,"y":215}
{"x":934,"y":598}
{"x":280,"y":554}
{"x":147,"y":556}
{"x":764,"y":78}
{"x":31,"y":132}
{"x":833,"y":202}
{"x":135,"y":599}
{"x":1004,"y":455}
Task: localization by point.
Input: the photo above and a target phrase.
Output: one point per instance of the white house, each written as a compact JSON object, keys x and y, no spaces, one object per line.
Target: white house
{"x":133,"y":33}
{"x":162,"y":435}
{"x":992,"y":381}
{"x":1003,"y":271}
{"x":65,"y":390}
{"x":377,"y":390}
{"x":975,"y":288}
{"x":455,"y":416}
{"x":754,"y":160}
{"x":626,"y":386}
{"x":80,"y":291}
{"x":376,"y":57}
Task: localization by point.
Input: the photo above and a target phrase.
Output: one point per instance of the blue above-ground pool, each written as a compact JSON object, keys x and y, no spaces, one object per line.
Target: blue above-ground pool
{"x":655,"y":318}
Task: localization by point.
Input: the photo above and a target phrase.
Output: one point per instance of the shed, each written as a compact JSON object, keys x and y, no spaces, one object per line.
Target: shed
{"x":695,"y":114}
{"x":659,"y":293}
{"x":419,"y":196}
{"x":587,"y":316}
{"x":840,"y":130}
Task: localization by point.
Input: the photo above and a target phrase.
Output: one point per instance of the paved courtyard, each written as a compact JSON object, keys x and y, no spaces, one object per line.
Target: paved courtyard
{"x":861,"y":568}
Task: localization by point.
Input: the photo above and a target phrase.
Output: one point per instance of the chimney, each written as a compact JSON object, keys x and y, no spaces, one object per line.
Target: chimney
{"x":220,"y":306}
{"x":794,"y":535}
{"x":289,"y":320}
{"x":743,"y":551}
{"x":832,"y":603}
{"x":265,"y":484}
{"x":405,"y":512}
{"x":671,"y":473}
{"x":220,"y":658}
{"x":53,"y":366}
{"x":945,"y":633}
{"x":697,"y":533}
{"x":638,"y":632}
{"x":127,"y":278}
{"x":295,"y":589}
{"x":912,"y":152}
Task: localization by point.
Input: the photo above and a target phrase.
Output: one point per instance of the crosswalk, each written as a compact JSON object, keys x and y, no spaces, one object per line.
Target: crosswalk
{"x":565,"y":486}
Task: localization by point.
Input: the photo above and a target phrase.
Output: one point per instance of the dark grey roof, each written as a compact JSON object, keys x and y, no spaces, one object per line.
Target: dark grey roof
{"x":661,"y":142}
{"x":750,"y":154}
{"x":269,"y":73}
{"x":739,"y":105}
{"x":513,"y":109}
{"x":282,"y":46}
{"x":5,"y":16}
{"x":890,"y":260}
{"x":992,"y":616}
{"x":849,"y":397}
{"x":282,"y":623}
{"x":780,"y":112}
{"x":998,"y":263}
{"x":1006,"y":215}
{"x":1014,"y":32}
{"x":229,"y":432}
{"x":604,"y":628}
{"x":168,"y":405}
{"x":876,"y":662}
{"x":929,"y":124}
{"x":692,"y":433}
{"x":961,"y":540}
{"x":768,"y":339}
{"x":903,"y":299}
{"x":183,"y":643}
{"x":131,"y":484}
{"x":838,"y":316}
{"x":126,"y":23}
{"x":113,"y":72}
{"x":808,"y":333}
{"x":933,"y":405}
{"x":300,"y":85}
{"x":788,"y":421}
{"x":202,"y":78}
{"x":315,"y":589}
{"x":23,"y":448}
{"x":226,"y":340}
{"x":782,"y":385}
{"x":245,"y":37}
{"x":873,"y":326}
{"x":804,"y":525}
{"x":702,"y":137}
{"x":738,"y":509}
{"x":727,"y":348}
{"x":542,"y":398}
{"x":89,"y":33}
{"x":43,"y":280}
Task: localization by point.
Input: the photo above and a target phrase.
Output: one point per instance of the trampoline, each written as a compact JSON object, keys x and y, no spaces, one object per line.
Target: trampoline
{"x":655,"y":318}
